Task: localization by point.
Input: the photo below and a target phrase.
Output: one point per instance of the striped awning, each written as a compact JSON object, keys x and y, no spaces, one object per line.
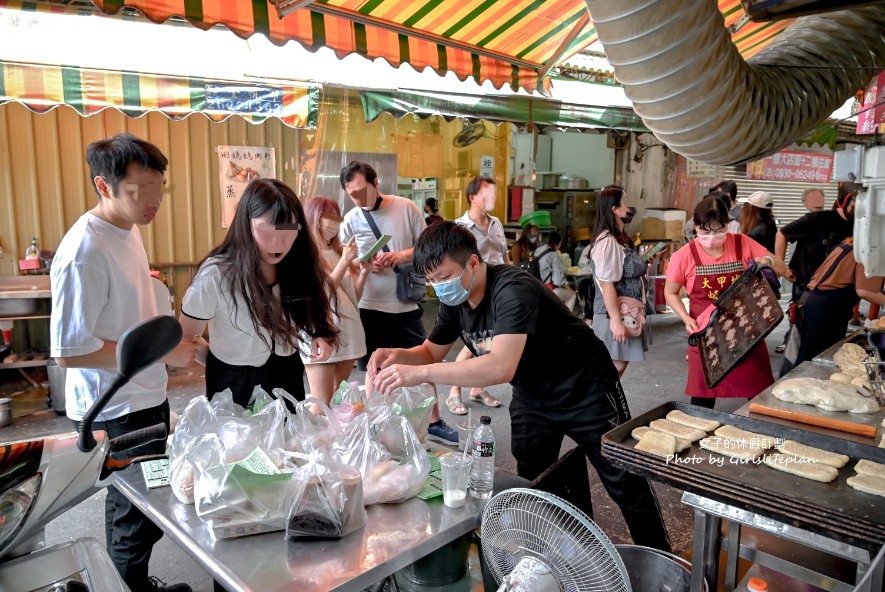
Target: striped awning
{"x":508,"y":42}
{"x":518,"y":109}
{"x":42,"y":87}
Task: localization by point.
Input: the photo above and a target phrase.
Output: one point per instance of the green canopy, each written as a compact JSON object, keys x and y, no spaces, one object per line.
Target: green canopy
{"x":499,"y":108}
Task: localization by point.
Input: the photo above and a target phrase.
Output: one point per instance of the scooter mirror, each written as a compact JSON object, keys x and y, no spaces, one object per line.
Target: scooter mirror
{"x":141,"y":346}
{"x":146,"y":343}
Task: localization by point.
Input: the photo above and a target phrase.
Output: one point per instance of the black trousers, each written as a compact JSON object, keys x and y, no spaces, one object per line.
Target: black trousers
{"x":282,"y":372}
{"x":387,"y":329}
{"x":130,"y":535}
{"x":537,"y":433}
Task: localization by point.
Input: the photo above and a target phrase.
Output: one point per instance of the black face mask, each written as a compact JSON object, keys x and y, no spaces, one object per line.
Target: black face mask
{"x":631,"y":213}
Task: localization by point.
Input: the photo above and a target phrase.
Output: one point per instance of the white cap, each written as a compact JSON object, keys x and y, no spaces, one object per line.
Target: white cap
{"x":760,"y":199}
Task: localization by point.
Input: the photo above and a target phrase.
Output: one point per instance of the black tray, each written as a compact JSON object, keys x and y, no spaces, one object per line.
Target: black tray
{"x":846,"y":531}
{"x":737,"y":325}
{"x":834,"y":503}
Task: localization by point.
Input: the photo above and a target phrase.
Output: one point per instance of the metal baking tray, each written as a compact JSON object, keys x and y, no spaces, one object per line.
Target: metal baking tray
{"x":846,"y":530}
{"x":834,"y":502}
{"x":745,"y":313}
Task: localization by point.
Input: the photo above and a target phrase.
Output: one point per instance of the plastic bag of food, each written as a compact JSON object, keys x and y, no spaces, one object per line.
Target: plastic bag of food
{"x":259,"y":400}
{"x":348,"y":402}
{"x":416,"y":405}
{"x":355,"y":446}
{"x":241,"y":498}
{"x":223,"y":405}
{"x":326,"y":500}
{"x":241,"y":435}
{"x":386,"y":478}
{"x":196,"y":419}
{"x":312,"y":431}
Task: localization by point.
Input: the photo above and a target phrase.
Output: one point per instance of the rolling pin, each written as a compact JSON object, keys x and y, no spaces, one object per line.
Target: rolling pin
{"x":815,"y":420}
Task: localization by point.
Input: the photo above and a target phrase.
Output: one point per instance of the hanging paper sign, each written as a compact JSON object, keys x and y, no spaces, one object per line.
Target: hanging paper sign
{"x":793,"y":165}
{"x":486,"y":166}
{"x":873,"y":118}
{"x":699,"y":170}
{"x":237,"y":166}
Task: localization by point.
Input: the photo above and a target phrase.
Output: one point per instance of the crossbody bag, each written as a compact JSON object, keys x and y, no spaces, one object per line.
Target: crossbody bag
{"x":410,"y":286}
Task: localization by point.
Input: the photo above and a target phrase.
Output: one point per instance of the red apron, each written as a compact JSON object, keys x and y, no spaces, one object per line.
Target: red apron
{"x":753,"y":375}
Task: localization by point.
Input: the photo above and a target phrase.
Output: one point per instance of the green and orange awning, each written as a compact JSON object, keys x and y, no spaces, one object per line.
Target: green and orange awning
{"x":508,"y":42}
{"x":42,"y":87}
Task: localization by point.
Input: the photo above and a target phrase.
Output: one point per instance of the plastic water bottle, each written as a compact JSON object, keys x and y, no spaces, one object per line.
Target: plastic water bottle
{"x":482,"y":473}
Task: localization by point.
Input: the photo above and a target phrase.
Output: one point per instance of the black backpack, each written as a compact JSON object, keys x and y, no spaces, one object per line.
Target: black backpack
{"x":533,"y":266}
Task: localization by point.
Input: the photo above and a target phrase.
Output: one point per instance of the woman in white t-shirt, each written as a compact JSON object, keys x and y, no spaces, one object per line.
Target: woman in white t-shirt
{"x":348,"y":278}
{"x":260,"y":292}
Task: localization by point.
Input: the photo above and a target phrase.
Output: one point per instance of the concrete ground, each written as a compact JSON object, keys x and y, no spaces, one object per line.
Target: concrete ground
{"x":659,"y":379}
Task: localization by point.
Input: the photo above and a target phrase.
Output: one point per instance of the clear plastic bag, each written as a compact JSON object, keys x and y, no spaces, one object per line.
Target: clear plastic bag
{"x":238,"y":499}
{"x":416,"y":405}
{"x":348,"y":402}
{"x":386,"y":478}
{"x":326,"y":501}
{"x":241,"y":435}
{"x":259,"y":400}
{"x":312,"y":431}
{"x":196,"y":419}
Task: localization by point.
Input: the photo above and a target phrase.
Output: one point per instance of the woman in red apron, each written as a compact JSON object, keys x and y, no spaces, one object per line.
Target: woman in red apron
{"x":706,"y":267}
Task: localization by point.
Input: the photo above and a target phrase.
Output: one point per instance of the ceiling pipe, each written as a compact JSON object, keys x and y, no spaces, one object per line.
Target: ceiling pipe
{"x":691,"y":87}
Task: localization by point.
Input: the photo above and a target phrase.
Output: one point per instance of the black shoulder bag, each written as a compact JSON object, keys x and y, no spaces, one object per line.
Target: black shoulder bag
{"x":410,"y":285}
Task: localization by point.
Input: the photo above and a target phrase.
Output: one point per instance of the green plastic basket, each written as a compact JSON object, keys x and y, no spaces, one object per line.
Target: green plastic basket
{"x":540,"y":218}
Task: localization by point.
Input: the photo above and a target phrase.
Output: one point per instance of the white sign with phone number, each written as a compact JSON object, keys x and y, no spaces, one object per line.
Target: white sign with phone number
{"x":486,"y":166}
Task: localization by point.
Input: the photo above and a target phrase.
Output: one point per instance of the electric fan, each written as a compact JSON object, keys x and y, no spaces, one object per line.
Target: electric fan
{"x":536,"y":542}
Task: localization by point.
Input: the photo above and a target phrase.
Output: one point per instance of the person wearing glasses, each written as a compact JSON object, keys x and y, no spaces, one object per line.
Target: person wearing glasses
{"x":706,"y":267}
{"x":262,"y":292}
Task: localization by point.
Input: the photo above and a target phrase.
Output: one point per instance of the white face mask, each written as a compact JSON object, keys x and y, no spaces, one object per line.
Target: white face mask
{"x":329,"y":229}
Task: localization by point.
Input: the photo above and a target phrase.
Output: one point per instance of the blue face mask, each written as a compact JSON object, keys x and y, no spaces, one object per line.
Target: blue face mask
{"x":452,"y":292}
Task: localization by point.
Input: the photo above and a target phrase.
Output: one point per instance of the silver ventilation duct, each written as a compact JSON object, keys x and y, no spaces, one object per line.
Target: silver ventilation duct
{"x":679,"y":67}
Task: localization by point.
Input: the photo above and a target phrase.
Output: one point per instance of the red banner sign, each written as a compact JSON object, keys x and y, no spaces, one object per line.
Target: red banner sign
{"x":793,"y":165}
{"x":868,"y":121}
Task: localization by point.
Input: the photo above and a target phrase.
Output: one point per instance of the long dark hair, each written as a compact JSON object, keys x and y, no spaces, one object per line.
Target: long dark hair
{"x":525,"y":247}
{"x":751,"y":216}
{"x":609,"y":197}
{"x":304,"y":303}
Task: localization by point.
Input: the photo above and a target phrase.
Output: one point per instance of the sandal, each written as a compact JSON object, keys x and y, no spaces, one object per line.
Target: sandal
{"x":455,"y":405}
{"x":485,"y":398}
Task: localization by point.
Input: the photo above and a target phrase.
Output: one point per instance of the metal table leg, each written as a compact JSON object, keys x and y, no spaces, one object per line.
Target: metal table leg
{"x":697,"y":554}
{"x":732,"y":555}
{"x":711,"y":550}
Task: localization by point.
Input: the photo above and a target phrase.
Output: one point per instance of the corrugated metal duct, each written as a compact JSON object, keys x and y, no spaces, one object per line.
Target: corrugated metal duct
{"x":692,"y":88}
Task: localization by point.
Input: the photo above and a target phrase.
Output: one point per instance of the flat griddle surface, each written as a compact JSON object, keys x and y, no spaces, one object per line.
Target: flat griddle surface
{"x":834,"y":508}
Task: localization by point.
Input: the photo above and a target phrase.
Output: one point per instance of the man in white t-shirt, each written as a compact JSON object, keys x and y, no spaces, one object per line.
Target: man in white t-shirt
{"x":387,"y":321}
{"x":101,"y":287}
{"x":492,"y":245}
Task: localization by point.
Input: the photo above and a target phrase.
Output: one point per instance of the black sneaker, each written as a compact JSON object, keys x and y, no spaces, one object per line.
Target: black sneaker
{"x":158,"y":585}
{"x":441,"y":432}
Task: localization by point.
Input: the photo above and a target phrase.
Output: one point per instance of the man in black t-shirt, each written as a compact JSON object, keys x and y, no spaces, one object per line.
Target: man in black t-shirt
{"x":815,"y":235}
{"x":564,"y":381}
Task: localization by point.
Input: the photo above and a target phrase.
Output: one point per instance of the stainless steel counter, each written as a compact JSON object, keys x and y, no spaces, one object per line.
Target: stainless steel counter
{"x":394,"y":537}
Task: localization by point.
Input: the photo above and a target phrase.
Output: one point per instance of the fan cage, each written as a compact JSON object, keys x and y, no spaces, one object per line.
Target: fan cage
{"x":521,"y":522}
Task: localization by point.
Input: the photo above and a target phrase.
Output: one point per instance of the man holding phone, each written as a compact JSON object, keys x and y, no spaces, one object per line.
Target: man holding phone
{"x":387,"y":320}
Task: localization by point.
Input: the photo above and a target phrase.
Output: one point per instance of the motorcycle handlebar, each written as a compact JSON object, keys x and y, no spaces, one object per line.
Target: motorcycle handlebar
{"x":138,"y":438}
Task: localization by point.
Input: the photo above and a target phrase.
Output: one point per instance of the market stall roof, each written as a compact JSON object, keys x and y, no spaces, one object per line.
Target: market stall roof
{"x":517,"y":109}
{"x":515,"y":42}
{"x":43,"y":87}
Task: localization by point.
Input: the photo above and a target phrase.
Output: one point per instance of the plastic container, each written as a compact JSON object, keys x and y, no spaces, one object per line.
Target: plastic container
{"x":482,"y":474}
{"x":757,"y":585}
{"x":32,"y":252}
{"x":539,"y":218}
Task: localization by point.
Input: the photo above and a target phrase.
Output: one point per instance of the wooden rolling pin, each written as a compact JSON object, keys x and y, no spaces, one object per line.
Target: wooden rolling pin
{"x":815,"y":420}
